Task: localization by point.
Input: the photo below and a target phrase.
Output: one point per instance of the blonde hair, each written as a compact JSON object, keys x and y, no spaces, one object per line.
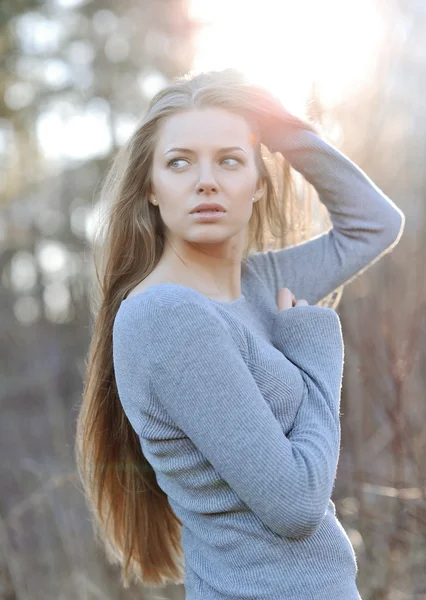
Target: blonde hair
{"x":131,"y":516}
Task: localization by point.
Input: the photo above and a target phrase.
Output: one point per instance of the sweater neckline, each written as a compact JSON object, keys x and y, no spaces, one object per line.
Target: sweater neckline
{"x":234,"y":302}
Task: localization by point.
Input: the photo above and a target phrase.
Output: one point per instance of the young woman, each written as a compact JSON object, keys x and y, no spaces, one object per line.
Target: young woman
{"x":208,"y":437}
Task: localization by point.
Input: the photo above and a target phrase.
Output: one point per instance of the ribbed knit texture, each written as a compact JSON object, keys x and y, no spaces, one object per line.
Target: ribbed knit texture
{"x":237,"y":405}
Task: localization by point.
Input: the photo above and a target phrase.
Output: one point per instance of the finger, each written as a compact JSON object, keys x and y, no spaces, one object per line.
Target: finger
{"x":302,"y":302}
{"x":285,"y":299}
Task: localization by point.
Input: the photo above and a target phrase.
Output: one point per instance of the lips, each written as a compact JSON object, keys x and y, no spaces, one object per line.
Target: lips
{"x":208,"y":207}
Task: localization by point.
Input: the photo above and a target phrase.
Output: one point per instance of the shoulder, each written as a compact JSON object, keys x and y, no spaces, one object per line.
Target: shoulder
{"x":165,"y":303}
{"x":169,"y":324}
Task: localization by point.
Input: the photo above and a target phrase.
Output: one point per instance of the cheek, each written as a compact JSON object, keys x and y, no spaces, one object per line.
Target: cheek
{"x":172,"y":183}
{"x":244,"y":185}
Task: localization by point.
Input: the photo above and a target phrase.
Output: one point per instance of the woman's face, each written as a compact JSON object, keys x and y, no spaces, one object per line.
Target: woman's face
{"x":214,"y":162}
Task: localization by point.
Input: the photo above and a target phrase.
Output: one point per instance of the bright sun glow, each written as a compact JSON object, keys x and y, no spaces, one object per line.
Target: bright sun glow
{"x":281,"y":44}
{"x":287,"y":45}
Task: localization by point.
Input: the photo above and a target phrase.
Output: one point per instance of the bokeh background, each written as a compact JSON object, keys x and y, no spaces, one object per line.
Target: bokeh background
{"x":75,"y":78}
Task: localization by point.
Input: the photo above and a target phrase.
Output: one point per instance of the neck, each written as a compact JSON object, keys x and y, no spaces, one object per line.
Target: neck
{"x":218,"y":277}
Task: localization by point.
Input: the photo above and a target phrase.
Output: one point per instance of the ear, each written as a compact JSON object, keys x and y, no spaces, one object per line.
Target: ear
{"x":260,"y":189}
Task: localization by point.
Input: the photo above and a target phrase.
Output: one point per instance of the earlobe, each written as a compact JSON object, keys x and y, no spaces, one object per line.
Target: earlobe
{"x":259,"y":193}
{"x":260,"y":190}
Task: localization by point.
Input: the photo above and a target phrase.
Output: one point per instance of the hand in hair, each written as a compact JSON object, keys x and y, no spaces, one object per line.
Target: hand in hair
{"x":272,"y":118}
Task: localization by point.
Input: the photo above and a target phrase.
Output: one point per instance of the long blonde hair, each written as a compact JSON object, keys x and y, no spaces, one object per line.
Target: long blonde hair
{"x":132,"y":518}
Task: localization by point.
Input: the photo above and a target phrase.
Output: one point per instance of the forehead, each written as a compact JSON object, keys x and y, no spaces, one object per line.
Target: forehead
{"x":200,"y":128}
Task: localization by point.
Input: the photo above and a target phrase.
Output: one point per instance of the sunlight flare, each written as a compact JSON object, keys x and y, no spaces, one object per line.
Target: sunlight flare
{"x":288,"y":46}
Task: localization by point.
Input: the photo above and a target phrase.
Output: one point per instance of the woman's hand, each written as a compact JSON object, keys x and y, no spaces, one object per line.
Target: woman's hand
{"x":269,"y":114}
{"x":287,"y":300}
{"x":272,"y":118}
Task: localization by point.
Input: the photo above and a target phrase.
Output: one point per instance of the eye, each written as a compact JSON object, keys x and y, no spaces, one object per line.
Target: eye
{"x":233,"y":158}
{"x":175,"y":160}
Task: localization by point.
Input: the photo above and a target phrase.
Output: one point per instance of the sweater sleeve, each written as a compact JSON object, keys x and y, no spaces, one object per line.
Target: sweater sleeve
{"x":319,"y":354}
{"x":366,"y":224}
{"x":199,"y":376}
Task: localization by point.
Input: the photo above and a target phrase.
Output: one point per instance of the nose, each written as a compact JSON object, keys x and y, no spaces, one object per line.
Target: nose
{"x":206,"y":188}
{"x":206,"y":183}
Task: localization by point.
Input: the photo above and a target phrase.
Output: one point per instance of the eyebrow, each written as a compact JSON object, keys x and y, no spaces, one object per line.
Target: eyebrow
{"x":189,"y":151}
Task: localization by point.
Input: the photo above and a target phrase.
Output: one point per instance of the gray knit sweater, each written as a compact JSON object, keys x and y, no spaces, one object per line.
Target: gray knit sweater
{"x":237,"y":405}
